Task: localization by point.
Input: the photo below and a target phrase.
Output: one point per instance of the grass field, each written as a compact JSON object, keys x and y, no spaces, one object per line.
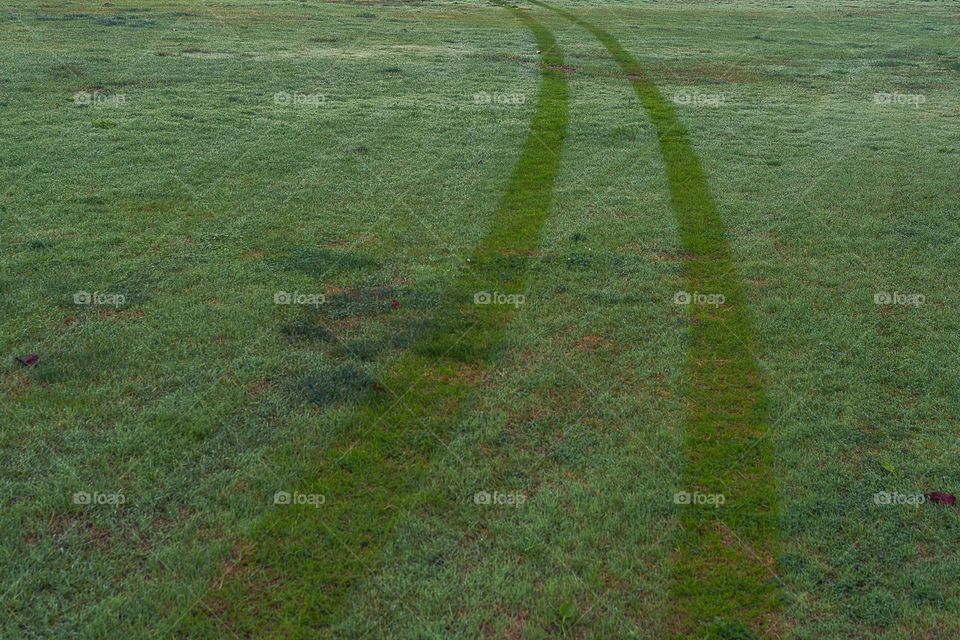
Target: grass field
{"x":474,"y":319}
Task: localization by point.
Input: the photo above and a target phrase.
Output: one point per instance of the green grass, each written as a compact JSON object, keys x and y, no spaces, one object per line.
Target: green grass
{"x":724,"y":584}
{"x":199,"y":197}
{"x":297,"y":576}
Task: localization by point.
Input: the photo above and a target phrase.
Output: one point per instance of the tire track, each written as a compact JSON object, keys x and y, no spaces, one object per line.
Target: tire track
{"x":294,"y":576}
{"x":724,"y":583}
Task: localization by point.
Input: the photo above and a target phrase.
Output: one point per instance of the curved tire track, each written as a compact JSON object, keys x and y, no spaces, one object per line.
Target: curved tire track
{"x":299,"y":567}
{"x":724,"y":584}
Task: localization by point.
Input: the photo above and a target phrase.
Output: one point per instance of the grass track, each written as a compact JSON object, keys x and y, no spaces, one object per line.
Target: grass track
{"x":724,"y":580}
{"x":200,"y":198}
{"x":293,"y":577}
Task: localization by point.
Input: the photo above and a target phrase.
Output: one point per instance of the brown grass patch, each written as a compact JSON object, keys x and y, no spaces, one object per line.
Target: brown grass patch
{"x":258,"y":387}
{"x":590,"y":343}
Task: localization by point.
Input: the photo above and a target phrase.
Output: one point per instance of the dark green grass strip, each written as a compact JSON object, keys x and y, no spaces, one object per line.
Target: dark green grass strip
{"x":295,"y":576}
{"x":723,"y":571}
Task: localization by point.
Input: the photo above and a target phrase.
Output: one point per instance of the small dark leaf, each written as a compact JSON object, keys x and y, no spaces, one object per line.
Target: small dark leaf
{"x":394,"y":304}
{"x":941,"y":497}
{"x":28,"y":360}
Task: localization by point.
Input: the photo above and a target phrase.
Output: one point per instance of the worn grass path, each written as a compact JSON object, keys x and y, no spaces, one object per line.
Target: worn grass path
{"x":724,"y":584}
{"x":294,"y":576}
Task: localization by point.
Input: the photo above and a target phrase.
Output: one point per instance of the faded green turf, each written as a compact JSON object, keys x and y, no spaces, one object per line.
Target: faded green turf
{"x":300,"y":564}
{"x":200,"y":198}
{"x":724,"y":583}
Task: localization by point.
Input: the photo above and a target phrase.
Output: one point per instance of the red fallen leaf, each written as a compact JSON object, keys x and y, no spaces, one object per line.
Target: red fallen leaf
{"x":28,"y":360}
{"x":394,"y":304}
{"x":940,"y":497}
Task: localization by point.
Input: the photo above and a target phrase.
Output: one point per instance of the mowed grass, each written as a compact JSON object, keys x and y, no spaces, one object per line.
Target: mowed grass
{"x":200,"y":198}
{"x":829,"y":199}
{"x":202,"y":202}
{"x":723,"y":582}
{"x":298,"y":578}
